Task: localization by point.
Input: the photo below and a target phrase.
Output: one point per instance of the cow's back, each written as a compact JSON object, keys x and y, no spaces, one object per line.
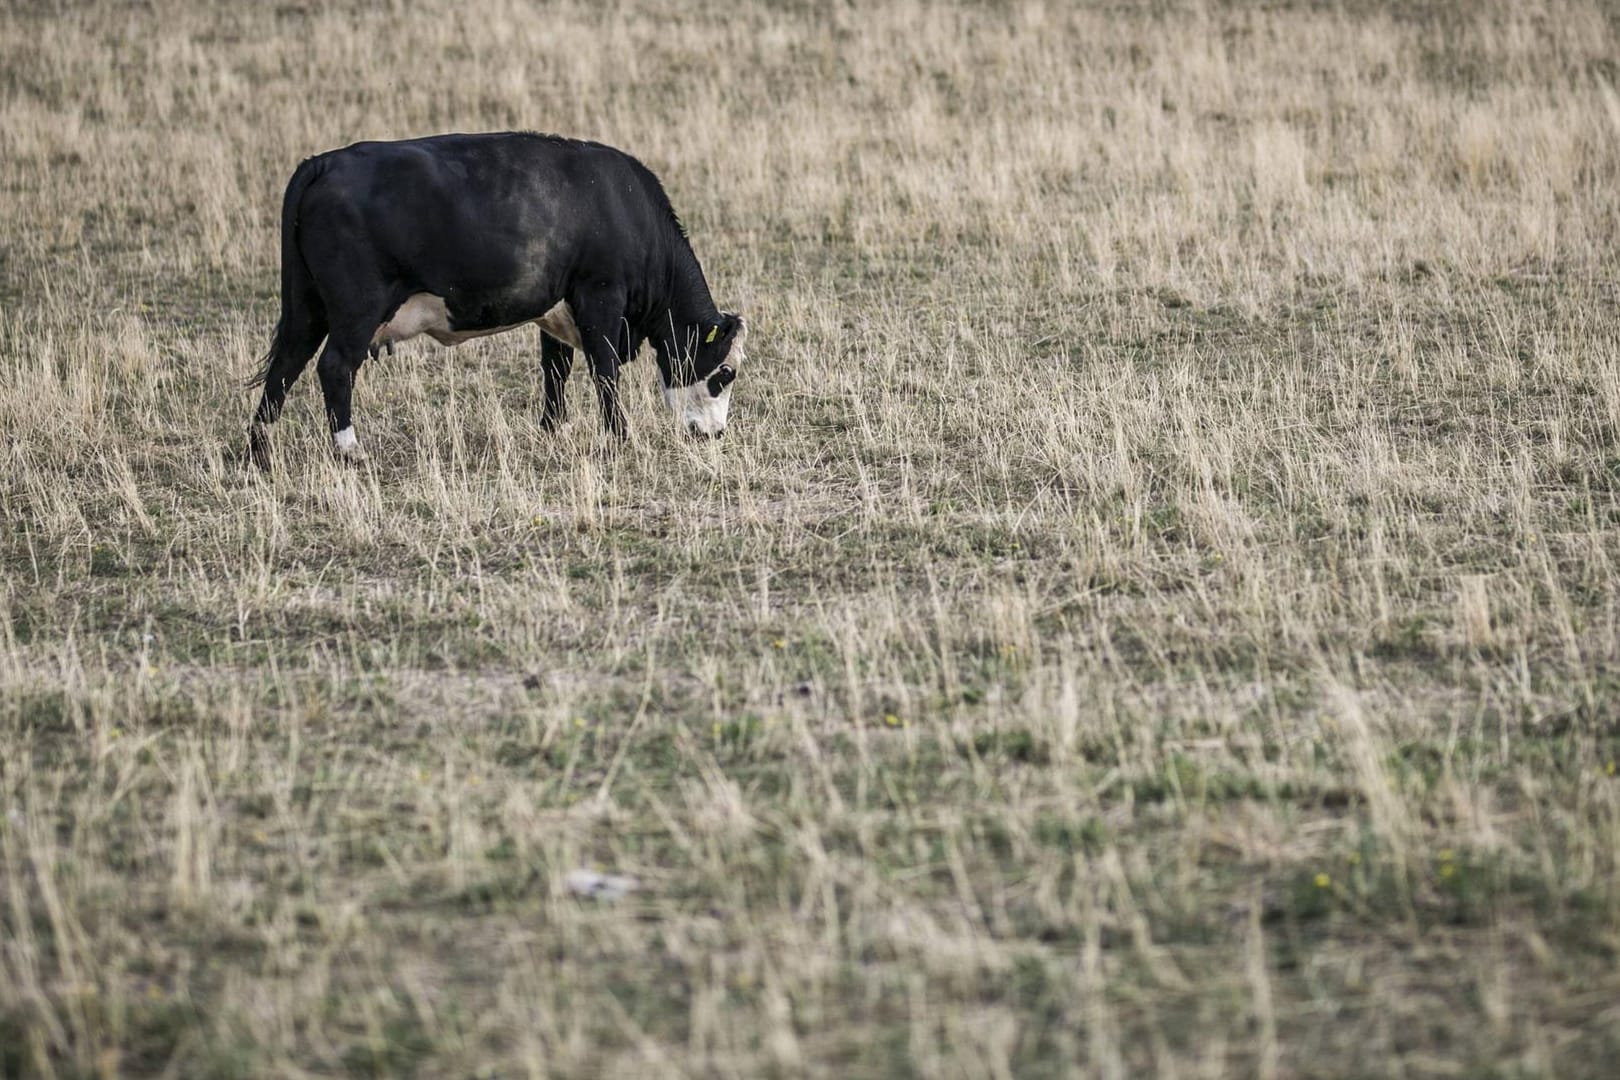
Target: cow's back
{"x":476,"y":211}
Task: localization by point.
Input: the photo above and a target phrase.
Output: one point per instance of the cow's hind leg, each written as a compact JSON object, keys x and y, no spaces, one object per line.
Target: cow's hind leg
{"x":298,"y":335}
{"x":339,"y":362}
{"x":556,"y":361}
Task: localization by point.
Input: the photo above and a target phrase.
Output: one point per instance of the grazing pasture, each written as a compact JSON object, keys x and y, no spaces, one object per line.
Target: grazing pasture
{"x":1153,"y":612}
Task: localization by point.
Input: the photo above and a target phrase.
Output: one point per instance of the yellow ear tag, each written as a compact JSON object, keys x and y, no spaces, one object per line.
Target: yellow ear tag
{"x":713,"y":330}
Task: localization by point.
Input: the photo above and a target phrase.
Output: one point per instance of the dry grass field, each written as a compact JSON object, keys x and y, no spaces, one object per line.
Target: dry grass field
{"x":1154,"y":611}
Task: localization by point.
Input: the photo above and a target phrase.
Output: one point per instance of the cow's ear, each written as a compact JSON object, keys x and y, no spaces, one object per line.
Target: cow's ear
{"x":732,"y":328}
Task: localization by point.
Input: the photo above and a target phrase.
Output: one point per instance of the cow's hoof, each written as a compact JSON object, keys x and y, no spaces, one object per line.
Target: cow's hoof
{"x":346,"y":447}
{"x":258,"y":449}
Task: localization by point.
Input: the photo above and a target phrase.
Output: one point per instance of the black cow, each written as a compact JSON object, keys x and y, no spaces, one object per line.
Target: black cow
{"x":458,"y":236}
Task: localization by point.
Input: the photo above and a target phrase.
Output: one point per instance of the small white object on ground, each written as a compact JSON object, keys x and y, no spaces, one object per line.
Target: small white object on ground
{"x":600,"y":886}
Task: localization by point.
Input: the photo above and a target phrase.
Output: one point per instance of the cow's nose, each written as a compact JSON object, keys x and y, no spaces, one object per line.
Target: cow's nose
{"x":696,"y":432}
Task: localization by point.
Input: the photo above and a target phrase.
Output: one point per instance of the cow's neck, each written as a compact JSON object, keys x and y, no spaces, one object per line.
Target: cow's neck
{"x":690,"y":303}
{"x":690,"y":308}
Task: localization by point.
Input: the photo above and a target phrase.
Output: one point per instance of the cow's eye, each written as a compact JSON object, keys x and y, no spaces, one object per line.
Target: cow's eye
{"x":721,"y":379}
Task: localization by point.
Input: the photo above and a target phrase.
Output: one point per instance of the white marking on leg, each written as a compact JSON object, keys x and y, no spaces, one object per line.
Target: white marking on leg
{"x":346,"y":443}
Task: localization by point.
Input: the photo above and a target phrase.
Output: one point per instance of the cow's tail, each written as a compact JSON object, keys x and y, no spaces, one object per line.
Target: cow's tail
{"x":300,"y":304}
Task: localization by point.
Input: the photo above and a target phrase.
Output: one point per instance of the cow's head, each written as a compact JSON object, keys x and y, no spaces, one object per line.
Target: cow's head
{"x":701,"y":403}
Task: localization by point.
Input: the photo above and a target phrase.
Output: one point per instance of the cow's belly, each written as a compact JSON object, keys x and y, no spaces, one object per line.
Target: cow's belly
{"x":425,"y":313}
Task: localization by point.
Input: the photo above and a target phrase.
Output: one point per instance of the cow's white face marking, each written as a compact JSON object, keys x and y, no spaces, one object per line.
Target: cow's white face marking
{"x":698,"y":411}
{"x":697,"y":408}
{"x":346,"y":444}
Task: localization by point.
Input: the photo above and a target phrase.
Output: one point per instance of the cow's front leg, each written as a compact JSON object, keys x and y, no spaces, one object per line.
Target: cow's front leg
{"x":556,"y":361}
{"x":606,"y":338}
{"x":337,"y":366}
{"x":607,"y":392}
